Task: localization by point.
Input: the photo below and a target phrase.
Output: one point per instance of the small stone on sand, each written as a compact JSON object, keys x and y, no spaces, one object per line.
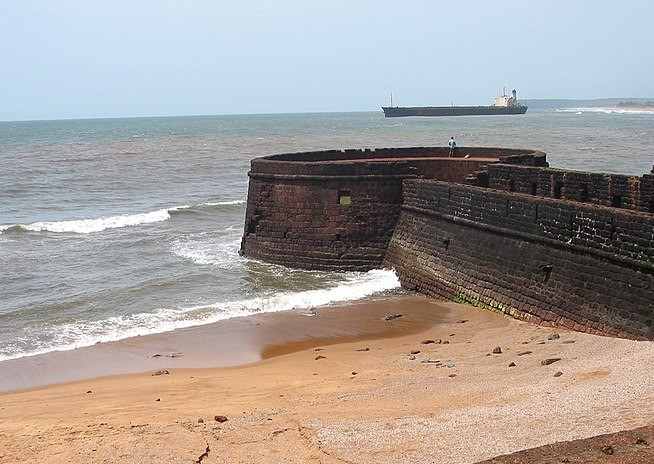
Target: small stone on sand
{"x":523,"y":353}
{"x":390,"y":317}
{"x":558,"y":374}
{"x":554,"y":336}
{"x":548,"y":361}
{"x":415,"y":351}
{"x":220,"y":419}
{"x":320,"y":357}
{"x":497,"y":350}
{"x":511,"y":364}
{"x":363,"y":349}
{"x":162,"y":372}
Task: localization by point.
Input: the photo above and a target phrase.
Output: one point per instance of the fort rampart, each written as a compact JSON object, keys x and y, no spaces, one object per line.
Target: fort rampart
{"x":495,"y":228}
{"x":337,"y":209}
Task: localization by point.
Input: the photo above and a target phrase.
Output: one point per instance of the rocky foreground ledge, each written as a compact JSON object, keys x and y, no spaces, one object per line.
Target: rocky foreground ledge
{"x":626,"y":447}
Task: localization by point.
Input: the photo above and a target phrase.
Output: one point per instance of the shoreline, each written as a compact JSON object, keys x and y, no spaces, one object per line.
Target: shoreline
{"x":226,"y":343}
{"x":350,"y":399}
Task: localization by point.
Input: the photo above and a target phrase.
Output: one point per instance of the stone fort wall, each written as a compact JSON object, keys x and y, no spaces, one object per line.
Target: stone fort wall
{"x":553,"y":261}
{"x":631,"y":192}
{"x":491,"y":227}
{"x":337,"y":210}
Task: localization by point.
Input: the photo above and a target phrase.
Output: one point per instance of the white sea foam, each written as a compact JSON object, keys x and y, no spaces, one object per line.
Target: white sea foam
{"x":86,"y":333}
{"x":223,"y":203}
{"x":356,"y":286}
{"x":89,"y":226}
{"x":213,"y":252}
{"x":605,"y":110}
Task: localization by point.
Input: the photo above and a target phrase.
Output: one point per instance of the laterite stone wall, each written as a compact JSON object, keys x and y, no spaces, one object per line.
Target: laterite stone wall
{"x":581,"y":266}
{"x":631,"y":192}
{"x":337,"y":210}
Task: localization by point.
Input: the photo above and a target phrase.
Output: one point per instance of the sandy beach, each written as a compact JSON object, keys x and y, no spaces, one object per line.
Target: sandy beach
{"x":348,"y":390}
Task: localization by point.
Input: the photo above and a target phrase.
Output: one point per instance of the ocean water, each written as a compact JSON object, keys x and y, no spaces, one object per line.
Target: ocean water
{"x":112,"y":228}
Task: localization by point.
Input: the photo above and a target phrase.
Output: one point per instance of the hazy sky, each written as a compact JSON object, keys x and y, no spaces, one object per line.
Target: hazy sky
{"x":90,"y":58}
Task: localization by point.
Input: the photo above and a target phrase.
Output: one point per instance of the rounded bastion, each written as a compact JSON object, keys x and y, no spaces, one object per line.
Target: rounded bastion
{"x":337,"y":209}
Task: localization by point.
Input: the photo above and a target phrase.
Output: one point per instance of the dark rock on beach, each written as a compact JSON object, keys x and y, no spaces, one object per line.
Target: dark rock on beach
{"x":548,"y":361}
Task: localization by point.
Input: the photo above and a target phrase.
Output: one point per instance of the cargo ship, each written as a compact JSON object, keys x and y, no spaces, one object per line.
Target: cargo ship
{"x":504,"y":104}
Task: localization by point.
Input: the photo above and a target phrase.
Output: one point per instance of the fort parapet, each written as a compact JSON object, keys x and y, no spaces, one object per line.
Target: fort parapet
{"x":493,"y":227}
{"x":337,"y":210}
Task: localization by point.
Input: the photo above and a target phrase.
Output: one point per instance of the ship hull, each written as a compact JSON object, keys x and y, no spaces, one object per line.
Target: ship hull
{"x":403,"y":111}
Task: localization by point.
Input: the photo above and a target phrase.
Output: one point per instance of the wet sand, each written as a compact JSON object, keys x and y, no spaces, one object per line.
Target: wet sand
{"x":347,"y":395}
{"x":231,"y":342}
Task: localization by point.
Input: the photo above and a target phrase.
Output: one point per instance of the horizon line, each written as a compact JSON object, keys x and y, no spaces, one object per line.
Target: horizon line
{"x":200,"y":115}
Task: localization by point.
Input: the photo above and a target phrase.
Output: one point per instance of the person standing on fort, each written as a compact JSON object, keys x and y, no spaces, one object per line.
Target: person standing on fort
{"x":452,"y":145}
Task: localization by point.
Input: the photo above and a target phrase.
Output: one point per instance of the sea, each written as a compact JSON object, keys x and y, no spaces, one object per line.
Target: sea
{"x":114,"y":228}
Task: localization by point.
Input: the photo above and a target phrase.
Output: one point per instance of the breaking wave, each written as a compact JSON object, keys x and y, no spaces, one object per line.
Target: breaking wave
{"x":79,"y":334}
{"x":605,"y":110}
{"x":218,"y":253}
{"x":89,"y":226}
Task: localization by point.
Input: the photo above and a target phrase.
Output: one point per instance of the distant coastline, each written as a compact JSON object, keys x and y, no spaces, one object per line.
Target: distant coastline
{"x":636,"y":104}
{"x":557,"y":103}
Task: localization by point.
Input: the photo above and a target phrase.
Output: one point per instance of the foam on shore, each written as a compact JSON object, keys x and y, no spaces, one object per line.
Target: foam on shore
{"x":70,"y":336}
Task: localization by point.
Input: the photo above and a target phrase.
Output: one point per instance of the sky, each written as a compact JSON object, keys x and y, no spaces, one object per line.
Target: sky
{"x":98,"y":58}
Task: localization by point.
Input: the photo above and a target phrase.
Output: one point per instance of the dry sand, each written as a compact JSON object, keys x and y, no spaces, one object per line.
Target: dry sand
{"x":350,"y":405}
